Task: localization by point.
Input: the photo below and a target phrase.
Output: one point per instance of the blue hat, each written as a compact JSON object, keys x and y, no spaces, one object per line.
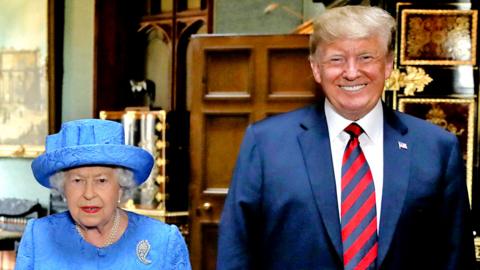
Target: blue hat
{"x":90,"y":142}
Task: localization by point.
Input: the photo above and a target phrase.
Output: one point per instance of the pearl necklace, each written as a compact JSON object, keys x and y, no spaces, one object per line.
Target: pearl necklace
{"x":113,"y":232}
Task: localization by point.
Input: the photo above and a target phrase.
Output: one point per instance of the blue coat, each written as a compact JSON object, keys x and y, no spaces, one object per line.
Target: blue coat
{"x":281,"y":211}
{"x":53,"y":242}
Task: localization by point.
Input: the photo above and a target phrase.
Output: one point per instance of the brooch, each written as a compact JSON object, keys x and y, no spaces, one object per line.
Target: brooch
{"x":143,"y":247}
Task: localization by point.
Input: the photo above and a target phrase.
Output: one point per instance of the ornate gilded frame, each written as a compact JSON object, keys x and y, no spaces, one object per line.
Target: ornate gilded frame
{"x":456,"y":115}
{"x":30,"y":79}
{"x":438,"y":36}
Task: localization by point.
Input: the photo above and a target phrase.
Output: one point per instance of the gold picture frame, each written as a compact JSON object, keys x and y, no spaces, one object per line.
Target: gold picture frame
{"x":29,"y":80}
{"x":438,"y":36}
{"x":456,"y":115}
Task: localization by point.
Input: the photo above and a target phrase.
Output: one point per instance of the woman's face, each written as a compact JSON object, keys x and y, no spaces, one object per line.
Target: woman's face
{"x":92,"y":194}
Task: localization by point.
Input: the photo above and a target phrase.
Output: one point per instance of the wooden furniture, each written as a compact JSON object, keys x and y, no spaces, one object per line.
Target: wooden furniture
{"x":234,"y":81}
{"x":137,"y":40}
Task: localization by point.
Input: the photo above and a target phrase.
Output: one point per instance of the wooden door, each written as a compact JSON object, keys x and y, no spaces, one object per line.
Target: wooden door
{"x":232,"y":82}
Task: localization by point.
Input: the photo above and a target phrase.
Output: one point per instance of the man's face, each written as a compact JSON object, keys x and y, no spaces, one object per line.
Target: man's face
{"x":352,"y":73}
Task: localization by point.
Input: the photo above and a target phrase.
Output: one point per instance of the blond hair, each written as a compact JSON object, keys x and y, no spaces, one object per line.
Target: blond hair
{"x":353,"y":22}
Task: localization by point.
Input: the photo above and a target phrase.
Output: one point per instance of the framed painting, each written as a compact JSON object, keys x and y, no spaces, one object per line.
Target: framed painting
{"x":437,"y":36}
{"x":456,"y":115}
{"x":27,"y":75}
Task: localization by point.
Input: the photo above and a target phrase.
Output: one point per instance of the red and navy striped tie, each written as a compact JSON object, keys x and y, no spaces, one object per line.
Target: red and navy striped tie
{"x":358,"y":213}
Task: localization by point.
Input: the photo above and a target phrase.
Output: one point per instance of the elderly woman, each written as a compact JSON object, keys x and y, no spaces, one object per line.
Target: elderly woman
{"x":89,"y":163}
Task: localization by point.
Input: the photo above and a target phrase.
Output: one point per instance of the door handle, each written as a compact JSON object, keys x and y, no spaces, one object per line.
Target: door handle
{"x":206,"y":207}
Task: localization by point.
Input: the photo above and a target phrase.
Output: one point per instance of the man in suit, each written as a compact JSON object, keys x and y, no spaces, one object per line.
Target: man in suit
{"x":347,"y":183}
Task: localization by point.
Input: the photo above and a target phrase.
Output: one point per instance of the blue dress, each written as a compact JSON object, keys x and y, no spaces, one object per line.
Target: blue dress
{"x":53,"y":242}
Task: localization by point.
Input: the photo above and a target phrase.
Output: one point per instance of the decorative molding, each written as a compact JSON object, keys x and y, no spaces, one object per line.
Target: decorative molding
{"x":438,"y":37}
{"x":414,"y":80}
{"x":455,"y":115}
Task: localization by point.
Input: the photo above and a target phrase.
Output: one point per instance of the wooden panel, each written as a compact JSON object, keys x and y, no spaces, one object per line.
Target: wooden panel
{"x":289,"y":74}
{"x":209,"y":244}
{"x":223,"y":135}
{"x":228,"y":73}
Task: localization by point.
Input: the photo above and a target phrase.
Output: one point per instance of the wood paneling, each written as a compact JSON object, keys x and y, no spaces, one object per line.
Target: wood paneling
{"x":235,"y":66}
{"x":220,"y":153}
{"x":289,"y":74}
{"x":209,"y":244}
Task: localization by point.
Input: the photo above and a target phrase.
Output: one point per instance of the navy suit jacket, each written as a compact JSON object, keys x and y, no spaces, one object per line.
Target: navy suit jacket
{"x":281,"y":211}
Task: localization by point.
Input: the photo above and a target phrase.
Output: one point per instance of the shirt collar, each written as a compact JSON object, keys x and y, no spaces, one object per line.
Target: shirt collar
{"x":371,"y":123}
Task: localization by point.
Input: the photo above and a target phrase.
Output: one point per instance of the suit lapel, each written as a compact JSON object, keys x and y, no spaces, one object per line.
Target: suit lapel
{"x":395,"y":179}
{"x":315,"y":145}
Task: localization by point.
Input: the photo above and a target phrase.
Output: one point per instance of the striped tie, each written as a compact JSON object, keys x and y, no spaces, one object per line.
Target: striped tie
{"x":358,"y":213}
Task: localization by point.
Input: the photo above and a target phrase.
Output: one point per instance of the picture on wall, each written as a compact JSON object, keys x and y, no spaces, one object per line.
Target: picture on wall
{"x":24,"y":84}
{"x":438,"y":36}
{"x":456,"y":115}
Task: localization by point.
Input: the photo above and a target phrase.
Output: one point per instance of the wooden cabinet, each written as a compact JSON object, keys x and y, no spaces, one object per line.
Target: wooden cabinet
{"x":145,"y":40}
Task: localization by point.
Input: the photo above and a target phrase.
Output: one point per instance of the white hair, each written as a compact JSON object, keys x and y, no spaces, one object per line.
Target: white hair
{"x":124,"y":178}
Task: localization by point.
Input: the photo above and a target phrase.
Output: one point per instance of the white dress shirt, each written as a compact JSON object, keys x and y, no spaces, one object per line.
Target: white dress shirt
{"x":371,"y":142}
